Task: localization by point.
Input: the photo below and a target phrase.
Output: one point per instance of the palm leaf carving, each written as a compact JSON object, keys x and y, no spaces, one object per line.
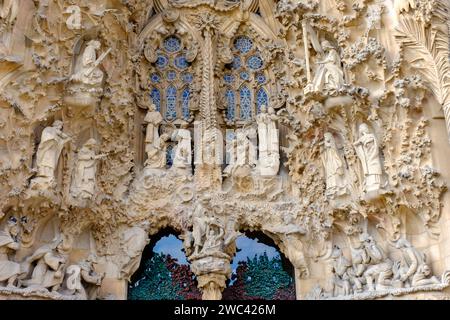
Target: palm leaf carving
{"x":426,"y":50}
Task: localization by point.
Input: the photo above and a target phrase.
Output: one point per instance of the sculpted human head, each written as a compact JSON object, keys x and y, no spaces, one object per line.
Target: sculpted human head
{"x":364,"y":129}
{"x":58,"y":124}
{"x":328,"y":140}
{"x":94,"y":43}
{"x":326,"y":45}
{"x":425,"y":269}
{"x":91,"y":143}
{"x":402,"y":243}
{"x":92,"y":258}
{"x":152,"y":107}
{"x":337,"y":252}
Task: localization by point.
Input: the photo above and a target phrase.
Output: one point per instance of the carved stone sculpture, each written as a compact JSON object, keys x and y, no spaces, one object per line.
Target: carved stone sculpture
{"x":83,"y":280}
{"x":9,"y":270}
{"x":340,"y":270}
{"x":47,"y":156}
{"x":49,"y":266}
{"x":155,"y":146}
{"x":9,"y":10}
{"x":200,"y":221}
{"x":183,"y":151}
{"x":412,"y":269}
{"x":369,"y":155}
{"x":334,"y":168}
{"x":133,"y":241}
{"x":86,"y":82}
{"x":423,"y":277}
{"x":269,"y":154}
{"x":246,"y":149}
{"x":88,"y":72}
{"x":84,"y":180}
{"x":329,"y":74}
{"x":378,"y":270}
{"x":232,"y":154}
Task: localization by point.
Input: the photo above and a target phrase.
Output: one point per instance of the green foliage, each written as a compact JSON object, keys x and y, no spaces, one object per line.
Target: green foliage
{"x":156,"y":281}
{"x":264,"y":277}
{"x":260,"y":278}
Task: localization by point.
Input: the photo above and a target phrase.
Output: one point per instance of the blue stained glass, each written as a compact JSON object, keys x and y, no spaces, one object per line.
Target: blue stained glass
{"x":262,"y":99}
{"x":228,"y":78}
{"x":255,"y":62}
{"x":185,"y":103}
{"x":172,"y":44}
{"x":236,"y":64}
{"x":181,"y":62}
{"x":260,"y":78}
{"x":162,"y":61}
{"x":243,"y":44}
{"x":171,"y":75}
{"x":155,"y":78}
{"x":169,"y":155}
{"x":156,"y":98}
{"x":246,"y":103}
{"x":171,"y":103}
{"x":231,"y":104}
{"x":188,"y":77}
{"x":245,"y":76}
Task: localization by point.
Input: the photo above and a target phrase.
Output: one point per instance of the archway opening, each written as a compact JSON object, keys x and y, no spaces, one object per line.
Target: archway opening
{"x":164,"y":273}
{"x":260,"y":271}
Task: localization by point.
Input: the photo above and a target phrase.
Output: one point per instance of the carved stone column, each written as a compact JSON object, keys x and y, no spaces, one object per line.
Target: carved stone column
{"x":208,"y":147}
{"x":212,"y":284}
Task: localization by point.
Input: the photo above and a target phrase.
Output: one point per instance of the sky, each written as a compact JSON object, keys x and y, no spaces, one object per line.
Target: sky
{"x":246,"y":248}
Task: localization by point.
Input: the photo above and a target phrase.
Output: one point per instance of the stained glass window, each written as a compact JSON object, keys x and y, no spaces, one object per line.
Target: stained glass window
{"x":171,"y":75}
{"x":185,"y":104}
{"x":231,"y":104}
{"x":246,"y":103}
{"x":188,"y":77}
{"x":169,"y":155}
{"x":171,"y":103}
{"x":243,"y":44}
{"x":181,"y":62}
{"x":236,"y":64}
{"x":170,"y":80}
{"x":155,"y":78}
{"x":228,"y":78}
{"x":245,"y":79}
{"x":262,"y":99}
{"x":261,"y":78}
{"x":172,"y":44}
{"x":255,"y":62}
{"x":162,"y":61}
{"x":156,"y":98}
{"x":245,"y":76}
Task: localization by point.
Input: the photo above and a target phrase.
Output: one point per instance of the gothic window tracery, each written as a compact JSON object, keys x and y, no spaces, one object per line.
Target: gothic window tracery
{"x":171,"y":79}
{"x":245,"y":81}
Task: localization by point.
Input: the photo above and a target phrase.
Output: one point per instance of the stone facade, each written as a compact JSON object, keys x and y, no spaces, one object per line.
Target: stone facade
{"x":323,"y":124}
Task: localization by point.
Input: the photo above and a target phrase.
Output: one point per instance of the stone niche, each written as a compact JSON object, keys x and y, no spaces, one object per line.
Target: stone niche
{"x":323,"y":125}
